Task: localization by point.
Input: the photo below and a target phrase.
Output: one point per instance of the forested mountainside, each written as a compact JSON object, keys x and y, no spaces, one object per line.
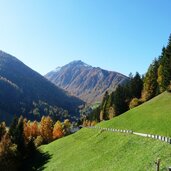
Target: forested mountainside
{"x":25,"y":92}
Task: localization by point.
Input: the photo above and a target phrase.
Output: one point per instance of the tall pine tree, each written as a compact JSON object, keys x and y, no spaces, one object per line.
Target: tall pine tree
{"x":150,"y":88}
{"x":164,"y":70}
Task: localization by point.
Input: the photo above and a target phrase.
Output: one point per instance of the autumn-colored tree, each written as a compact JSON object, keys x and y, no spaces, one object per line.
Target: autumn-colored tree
{"x":66,"y":127}
{"x":93,"y":123}
{"x":38,"y":141}
{"x":134,"y":102}
{"x":112,"y":112}
{"x":58,"y":130}
{"x":8,"y":154}
{"x":101,"y":115}
{"x":46,"y":129}
{"x":31,"y":129}
{"x":27,"y":129}
{"x":35,"y":129}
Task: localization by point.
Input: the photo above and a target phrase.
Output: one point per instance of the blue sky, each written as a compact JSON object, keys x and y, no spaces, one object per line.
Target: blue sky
{"x":118,"y":35}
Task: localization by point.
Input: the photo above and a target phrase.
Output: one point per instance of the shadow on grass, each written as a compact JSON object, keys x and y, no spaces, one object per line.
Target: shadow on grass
{"x":37,"y":161}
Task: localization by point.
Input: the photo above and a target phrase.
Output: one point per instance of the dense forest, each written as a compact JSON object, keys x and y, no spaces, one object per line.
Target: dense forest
{"x":137,"y":90}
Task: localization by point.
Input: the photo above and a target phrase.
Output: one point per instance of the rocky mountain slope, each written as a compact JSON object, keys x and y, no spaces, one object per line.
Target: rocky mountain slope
{"x":84,"y":81}
{"x":24,"y":91}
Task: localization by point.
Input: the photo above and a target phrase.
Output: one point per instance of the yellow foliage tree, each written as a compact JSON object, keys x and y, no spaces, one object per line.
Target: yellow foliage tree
{"x":67,"y":126}
{"x":58,"y":130}
{"x":93,"y":123}
{"x":27,"y":129}
{"x":35,"y":129}
{"x":46,"y":129}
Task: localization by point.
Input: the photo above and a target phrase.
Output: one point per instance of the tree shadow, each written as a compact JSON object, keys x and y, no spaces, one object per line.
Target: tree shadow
{"x":37,"y":161}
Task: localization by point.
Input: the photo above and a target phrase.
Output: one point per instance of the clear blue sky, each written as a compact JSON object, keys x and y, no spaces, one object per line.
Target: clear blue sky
{"x":118,"y":35}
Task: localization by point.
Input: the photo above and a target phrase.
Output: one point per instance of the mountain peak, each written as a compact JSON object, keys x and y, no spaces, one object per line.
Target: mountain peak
{"x":84,"y":81}
{"x":78,"y":63}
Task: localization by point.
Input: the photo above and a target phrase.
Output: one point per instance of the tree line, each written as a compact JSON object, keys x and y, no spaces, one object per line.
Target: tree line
{"x":137,"y":90}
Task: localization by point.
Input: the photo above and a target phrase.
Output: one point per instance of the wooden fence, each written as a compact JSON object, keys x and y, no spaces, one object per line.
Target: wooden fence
{"x":158,"y":137}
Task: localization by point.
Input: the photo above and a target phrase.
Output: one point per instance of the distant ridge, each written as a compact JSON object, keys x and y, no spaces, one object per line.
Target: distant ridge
{"x":24,"y":91}
{"x":84,"y":81}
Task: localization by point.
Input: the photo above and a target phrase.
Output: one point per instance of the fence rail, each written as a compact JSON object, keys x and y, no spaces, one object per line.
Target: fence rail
{"x":158,"y":137}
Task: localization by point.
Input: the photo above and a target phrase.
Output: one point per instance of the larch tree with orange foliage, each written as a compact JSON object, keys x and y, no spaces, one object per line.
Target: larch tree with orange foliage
{"x":27,"y":129}
{"x":58,"y":130}
{"x":35,"y":129}
{"x":46,"y":129}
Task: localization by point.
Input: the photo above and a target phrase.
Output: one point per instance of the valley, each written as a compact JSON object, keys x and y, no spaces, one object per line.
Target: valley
{"x":85,"y":85}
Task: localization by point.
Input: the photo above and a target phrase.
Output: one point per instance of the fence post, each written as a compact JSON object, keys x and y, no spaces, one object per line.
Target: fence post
{"x":157,"y":164}
{"x":166,"y":139}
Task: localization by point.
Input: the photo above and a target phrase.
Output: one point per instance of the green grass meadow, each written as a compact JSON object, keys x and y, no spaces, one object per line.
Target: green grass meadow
{"x":153,"y":117}
{"x":93,"y":149}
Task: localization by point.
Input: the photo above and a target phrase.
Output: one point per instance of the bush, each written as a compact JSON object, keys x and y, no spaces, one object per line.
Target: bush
{"x":169,"y":88}
{"x":38,"y":141}
{"x":134,"y":102}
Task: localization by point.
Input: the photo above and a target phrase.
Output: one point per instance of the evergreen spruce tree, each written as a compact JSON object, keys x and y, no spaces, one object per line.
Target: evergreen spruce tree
{"x":164,"y":70}
{"x":19,"y":137}
{"x":104,"y":111}
{"x":13,"y":129}
{"x":150,"y":87}
{"x":119,"y":100}
{"x":136,"y":86}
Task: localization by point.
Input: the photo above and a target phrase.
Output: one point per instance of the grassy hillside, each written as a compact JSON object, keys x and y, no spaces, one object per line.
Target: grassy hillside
{"x":92,"y":149}
{"x":153,"y":116}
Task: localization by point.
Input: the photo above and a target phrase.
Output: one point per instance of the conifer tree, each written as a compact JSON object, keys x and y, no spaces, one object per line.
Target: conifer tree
{"x":13,"y":128}
{"x":104,"y":112}
{"x":164,"y":70}
{"x":119,"y":100}
{"x":165,"y":67}
{"x":136,"y":85}
{"x":150,"y":87}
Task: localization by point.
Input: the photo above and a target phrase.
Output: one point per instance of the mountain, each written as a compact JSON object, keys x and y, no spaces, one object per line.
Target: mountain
{"x":24,"y":91}
{"x":94,"y":149}
{"x":84,"y":81}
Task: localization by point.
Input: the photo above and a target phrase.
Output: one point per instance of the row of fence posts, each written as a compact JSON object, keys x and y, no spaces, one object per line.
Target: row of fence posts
{"x":159,"y":137}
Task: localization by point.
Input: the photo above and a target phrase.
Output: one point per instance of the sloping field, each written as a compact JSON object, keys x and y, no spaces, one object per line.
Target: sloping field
{"x":91,"y":149}
{"x":152,"y":117}
{"x":94,"y":149}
